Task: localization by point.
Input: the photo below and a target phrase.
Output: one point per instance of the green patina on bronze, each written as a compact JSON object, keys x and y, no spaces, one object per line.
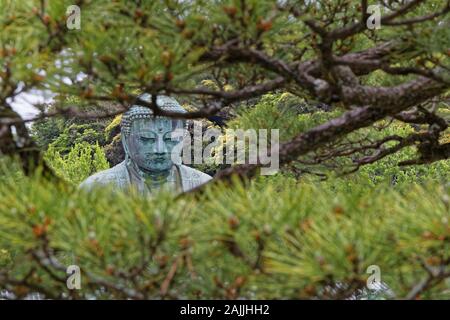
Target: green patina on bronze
{"x":148,"y":143}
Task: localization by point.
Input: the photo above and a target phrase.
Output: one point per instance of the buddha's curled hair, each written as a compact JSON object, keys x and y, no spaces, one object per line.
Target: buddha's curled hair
{"x":140,"y":112}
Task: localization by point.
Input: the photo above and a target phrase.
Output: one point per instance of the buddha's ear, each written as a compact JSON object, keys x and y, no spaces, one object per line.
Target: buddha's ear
{"x":124,"y":139}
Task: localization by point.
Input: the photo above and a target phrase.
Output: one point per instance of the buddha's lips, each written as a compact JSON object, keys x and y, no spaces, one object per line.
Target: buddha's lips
{"x":157,"y":158}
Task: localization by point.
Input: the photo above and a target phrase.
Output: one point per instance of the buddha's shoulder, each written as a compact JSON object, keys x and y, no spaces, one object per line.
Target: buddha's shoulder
{"x":189,"y":173}
{"x":116,"y":175}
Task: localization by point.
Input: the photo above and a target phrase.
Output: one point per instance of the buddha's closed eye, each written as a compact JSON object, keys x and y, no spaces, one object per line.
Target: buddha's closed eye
{"x":147,"y":139}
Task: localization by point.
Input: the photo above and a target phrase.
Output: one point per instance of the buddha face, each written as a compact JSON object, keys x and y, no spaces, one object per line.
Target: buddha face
{"x":150,"y":143}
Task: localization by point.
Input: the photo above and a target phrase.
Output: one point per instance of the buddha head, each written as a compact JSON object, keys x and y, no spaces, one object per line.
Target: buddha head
{"x":148,"y":141}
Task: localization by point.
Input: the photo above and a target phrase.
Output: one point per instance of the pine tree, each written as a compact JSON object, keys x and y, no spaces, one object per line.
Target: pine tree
{"x":352,"y":92}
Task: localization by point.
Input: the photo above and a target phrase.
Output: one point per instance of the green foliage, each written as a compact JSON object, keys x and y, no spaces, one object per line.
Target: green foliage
{"x":82,"y":161}
{"x":112,"y":127}
{"x":64,"y":134}
{"x":283,"y":111}
{"x":277,"y":238}
{"x":287,"y":113}
{"x":45,"y":131}
{"x":78,"y":133}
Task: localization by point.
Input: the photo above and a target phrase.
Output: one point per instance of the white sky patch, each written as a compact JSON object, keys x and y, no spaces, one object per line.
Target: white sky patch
{"x":24,"y":103}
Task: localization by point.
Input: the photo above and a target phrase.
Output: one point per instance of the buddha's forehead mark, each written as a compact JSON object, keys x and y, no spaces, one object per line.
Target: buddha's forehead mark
{"x":161,"y":125}
{"x":152,"y":127}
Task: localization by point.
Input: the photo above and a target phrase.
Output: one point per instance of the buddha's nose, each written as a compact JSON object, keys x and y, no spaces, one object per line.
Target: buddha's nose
{"x":160,"y":147}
